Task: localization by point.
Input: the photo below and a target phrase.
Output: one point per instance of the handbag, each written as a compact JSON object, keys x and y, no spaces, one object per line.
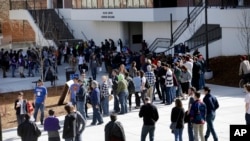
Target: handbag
{"x":174,"y":124}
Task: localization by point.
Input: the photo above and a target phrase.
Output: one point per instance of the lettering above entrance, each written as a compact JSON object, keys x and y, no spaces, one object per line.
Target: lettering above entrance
{"x":107,"y":15}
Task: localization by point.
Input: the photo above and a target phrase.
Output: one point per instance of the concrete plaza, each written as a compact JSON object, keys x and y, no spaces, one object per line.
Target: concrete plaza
{"x":231,"y":112}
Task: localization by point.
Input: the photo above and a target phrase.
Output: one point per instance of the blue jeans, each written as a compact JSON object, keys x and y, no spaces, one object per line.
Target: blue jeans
{"x":178,"y":134}
{"x":190,"y":132}
{"x":168,"y":95}
{"x":80,"y":106}
{"x":37,"y":107}
{"x":147,"y":129}
{"x":163,"y":92}
{"x":94,"y":71}
{"x":202,"y":80}
{"x":78,"y":137}
{"x":247,"y":117}
{"x":123,"y":96}
{"x":96,"y":114}
{"x":116,"y":104}
{"x":178,"y":91}
{"x":210,"y":127}
{"x":105,"y":105}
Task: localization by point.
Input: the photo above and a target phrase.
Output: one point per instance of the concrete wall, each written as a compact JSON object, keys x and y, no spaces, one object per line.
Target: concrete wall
{"x":14,"y":30}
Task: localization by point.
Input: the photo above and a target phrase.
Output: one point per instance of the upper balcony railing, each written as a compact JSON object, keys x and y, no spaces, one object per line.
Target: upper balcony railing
{"x":111,"y":4}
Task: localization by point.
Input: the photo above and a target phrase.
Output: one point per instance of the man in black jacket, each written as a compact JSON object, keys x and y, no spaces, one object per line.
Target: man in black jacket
{"x":150,"y":115}
{"x":28,"y":130}
{"x":114,"y":130}
{"x":212,"y":105}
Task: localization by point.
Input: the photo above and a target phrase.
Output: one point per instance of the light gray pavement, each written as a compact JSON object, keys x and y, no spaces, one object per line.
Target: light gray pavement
{"x":231,"y":111}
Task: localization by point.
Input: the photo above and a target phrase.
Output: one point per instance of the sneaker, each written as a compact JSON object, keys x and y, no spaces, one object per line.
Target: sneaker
{"x":99,"y":123}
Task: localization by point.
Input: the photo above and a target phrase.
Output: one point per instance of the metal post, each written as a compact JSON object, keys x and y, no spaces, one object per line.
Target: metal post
{"x":171,"y":28}
{"x":10,"y":2}
{"x":188,"y":15}
{"x":206,"y":30}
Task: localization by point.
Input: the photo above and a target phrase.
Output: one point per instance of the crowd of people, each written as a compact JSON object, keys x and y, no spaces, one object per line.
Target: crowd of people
{"x":143,"y":74}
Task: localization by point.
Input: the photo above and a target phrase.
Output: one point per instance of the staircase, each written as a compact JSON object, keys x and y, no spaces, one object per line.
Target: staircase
{"x":199,"y":37}
{"x":51,"y":25}
{"x":180,"y":29}
{"x":184,"y":25}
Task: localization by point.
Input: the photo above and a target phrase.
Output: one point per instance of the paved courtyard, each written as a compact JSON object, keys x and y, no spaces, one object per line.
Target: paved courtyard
{"x":231,"y":111}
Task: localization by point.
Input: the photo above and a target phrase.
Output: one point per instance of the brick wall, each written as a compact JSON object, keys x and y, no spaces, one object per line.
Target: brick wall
{"x":14,"y":30}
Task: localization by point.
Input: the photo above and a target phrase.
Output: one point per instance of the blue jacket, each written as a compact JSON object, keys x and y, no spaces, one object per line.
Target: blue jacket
{"x":198,"y":112}
{"x":95,"y":97}
{"x":211,"y":103}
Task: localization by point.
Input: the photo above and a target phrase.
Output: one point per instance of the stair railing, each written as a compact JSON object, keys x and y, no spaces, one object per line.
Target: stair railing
{"x":184,"y":25}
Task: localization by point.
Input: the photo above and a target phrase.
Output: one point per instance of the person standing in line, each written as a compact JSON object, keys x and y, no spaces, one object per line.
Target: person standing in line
{"x":115,"y":73}
{"x":137,"y":82}
{"x":93,"y":66}
{"x":150,"y":76}
{"x":51,"y":124}
{"x":40,"y":95}
{"x":191,"y":92}
{"x":212,"y":105}
{"x":81,"y":99}
{"x":122,"y":91}
{"x":244,"y":70}
{"x":143,"y":88}
{"x":21,"y":64}
{"x":247,"y":105}
{"x":81,"y":61}
{"x":21,"y":108}
{"x":169,"y":82}
{"x":13,"y":64}
{"x":96,"y":103}
{"x":105,"y":95}
{"x":69,"y":128}
{"x":28,"y":130}
{"x":177,"y":115}
{"x":114,"y":130}
{"x":150,"y":116}
{"x":197,"y":116}
{"x":80,"y":125}
{"x":73,"y":90}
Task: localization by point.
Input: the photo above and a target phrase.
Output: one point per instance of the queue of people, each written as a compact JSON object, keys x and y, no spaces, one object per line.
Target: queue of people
{"x":171,"y":78}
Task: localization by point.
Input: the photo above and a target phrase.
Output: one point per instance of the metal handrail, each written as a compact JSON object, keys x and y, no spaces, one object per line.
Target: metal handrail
{"x":183,"y":26}
{"x":199,"y":40}
{"x":156,"y":41}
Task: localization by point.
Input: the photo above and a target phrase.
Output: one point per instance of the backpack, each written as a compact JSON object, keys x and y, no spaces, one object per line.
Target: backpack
{"x":215,"y":102}
{"x":147,"y":85}
{"x":30,"y":107}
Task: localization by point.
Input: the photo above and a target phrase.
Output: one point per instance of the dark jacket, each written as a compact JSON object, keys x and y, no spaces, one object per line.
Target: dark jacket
{"x":198,"y":112}
{"x":95,"y":97}
{"x":149,"y":113}
{"x":69,"y":128}
{"x":18,"y":109}
{"x":80,"y":123}
{"x":211,"y":103}
{"x":82,"y":94}
{"x":28,"y":131}
{"x":176,"y":111}
{"x":114,"y":131}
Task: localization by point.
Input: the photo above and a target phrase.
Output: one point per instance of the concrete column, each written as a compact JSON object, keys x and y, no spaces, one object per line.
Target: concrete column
{"x":50,"y":4}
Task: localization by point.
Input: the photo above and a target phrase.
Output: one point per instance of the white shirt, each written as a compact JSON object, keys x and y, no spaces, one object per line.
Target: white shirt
{"x":80,"y":60}
{"x":247,"y":100}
